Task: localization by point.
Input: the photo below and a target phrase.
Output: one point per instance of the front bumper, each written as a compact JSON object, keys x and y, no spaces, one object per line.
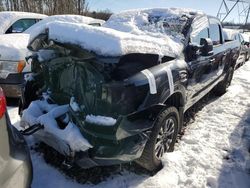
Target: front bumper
{"x":12,"y":85}
{"x":121,"y":143}
{"x":123,"y":151}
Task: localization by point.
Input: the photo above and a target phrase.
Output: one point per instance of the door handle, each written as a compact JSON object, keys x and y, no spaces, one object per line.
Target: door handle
{"x":212,"y":60}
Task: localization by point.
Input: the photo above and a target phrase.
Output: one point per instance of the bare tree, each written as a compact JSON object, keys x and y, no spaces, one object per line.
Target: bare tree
{"x":52,"y":7}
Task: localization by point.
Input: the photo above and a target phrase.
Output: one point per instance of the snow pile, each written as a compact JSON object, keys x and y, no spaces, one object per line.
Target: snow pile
{"x":35,"y":110}
{"x":7,"y":18}
{"x":100,"y":120}
{"x":157,"y":31}
{"x":41,"y":112}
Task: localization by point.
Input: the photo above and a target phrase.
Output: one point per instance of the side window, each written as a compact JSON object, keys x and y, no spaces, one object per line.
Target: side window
{"x":21,"y":25}
{"x":202,"y":34}
{"x":215,"y":33}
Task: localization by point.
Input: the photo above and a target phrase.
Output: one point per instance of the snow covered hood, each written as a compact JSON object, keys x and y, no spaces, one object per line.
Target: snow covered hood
{"x":7,"y":18}
{"x":156,"y":31}
{"x":14,"y":46}
{"x":39,"y":27}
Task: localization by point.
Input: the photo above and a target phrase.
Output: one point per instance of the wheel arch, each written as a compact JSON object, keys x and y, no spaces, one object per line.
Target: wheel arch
{"x":176,"y":99}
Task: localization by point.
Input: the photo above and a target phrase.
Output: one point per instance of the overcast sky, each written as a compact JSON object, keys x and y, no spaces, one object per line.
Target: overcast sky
{"x":211,"y":7}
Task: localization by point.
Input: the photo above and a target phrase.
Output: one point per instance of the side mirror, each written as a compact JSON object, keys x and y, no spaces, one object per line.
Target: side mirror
{"x":206,"y":47}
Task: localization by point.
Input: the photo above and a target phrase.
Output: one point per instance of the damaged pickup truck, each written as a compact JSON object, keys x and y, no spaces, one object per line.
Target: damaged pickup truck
{"x":118,"y":93}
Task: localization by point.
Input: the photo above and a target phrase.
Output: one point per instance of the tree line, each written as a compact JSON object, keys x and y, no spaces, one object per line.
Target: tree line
{"x":53,"y":7}
{"x":236,"y":25}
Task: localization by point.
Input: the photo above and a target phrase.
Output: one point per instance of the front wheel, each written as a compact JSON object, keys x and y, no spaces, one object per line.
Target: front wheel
{"x":162,"y":139}
{"x":221,"y":88}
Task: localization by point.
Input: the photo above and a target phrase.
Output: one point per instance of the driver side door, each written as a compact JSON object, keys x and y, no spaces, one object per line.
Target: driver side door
{"x":199,"y":69}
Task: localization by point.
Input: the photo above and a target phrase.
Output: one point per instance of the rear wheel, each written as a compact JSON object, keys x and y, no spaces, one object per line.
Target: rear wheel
{"x":221,"y":88}
{"x":162,"y":139}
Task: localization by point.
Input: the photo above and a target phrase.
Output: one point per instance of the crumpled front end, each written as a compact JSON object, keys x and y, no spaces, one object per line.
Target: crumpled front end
{"x":87,"y":109}
{"x":90,"y":141}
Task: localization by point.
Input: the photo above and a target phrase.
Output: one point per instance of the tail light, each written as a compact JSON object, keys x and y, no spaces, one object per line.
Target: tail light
{"x":20,"y":66}
{"x":2,"y":103}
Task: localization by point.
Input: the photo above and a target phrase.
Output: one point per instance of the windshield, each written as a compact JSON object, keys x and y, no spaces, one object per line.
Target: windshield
{"x":153,"y":22}
{"x":169,"y":25}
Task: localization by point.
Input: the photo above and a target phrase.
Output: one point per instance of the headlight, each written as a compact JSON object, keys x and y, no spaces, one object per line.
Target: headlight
{"x":7,"y":67}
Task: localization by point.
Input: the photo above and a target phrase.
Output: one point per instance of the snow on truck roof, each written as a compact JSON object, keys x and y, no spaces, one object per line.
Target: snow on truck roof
{"x":156,"y":31}
{"x":9,"y":17}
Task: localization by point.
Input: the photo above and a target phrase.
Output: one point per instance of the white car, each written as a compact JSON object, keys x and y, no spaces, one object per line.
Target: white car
{"x":18,"y":22}
{"x":13,"y":51}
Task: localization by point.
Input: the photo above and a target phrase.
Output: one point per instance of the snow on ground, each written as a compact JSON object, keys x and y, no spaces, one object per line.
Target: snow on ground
{"x":214,"y":152}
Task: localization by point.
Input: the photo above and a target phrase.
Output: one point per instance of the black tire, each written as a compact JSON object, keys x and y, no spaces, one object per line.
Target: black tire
{"x":150,"y":159}
{"x":247,"y":57}
{"x":221,"y":88}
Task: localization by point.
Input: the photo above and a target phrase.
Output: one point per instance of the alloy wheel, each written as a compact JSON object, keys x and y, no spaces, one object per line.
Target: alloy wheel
{"x":164,"y":138}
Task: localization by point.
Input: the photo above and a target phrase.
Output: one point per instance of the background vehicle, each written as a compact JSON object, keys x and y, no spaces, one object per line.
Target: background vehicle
{"x":15,"y":162}
{"x":246,"y":41}
{"x":13,"y":50}
{"x":17,"y":22}
{"x":243,"y":40}
{"x":119,"y":91}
